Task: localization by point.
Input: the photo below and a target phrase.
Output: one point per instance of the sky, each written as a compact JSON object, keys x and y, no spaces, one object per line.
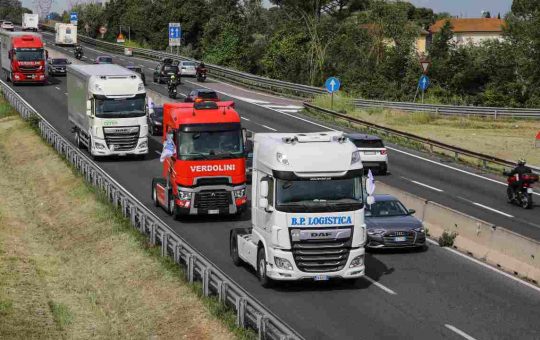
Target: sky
{"x":464,"y":8}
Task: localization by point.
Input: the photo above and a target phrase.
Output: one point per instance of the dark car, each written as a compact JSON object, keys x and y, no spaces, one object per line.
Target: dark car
{"x":57,"y":66}
{"x":165,"y":69}
{"x":139,"y":70}
{"x":103,"y":59}
{"x":391,"y":225}
{"x":155,"y":121}
{"x":202,"y":95}
{"x":373,"y":153}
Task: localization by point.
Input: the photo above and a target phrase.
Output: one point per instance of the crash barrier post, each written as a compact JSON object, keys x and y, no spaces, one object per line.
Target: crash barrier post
{"x":144,"y":220}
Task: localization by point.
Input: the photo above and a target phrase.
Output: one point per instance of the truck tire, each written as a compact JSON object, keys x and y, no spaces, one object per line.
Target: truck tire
{"x":265,"y":281}
{"x":233,"y":247}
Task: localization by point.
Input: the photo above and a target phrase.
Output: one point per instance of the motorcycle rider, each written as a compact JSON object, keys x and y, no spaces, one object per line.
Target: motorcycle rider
{"x":520,"y":170}
{"x":200,"y":68}
{"x":78,"y":50}
{"x":172,"y":83}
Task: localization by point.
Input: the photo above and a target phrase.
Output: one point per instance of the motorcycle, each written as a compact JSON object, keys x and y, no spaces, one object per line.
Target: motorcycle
{"x":522,"y":196}
{"x":172,"y":89}
{"x":201,"y":74}
{"x":78,"y":54}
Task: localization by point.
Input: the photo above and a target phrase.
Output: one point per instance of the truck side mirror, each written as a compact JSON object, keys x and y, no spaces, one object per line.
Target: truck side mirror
{"x":264,"y":190}
{"x":412,"y":211}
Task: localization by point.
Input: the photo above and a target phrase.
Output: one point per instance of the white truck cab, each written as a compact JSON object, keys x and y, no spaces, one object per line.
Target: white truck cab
{"x":307,"y":209}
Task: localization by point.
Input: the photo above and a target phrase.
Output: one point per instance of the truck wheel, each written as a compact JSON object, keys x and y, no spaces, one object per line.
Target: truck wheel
{"x":261,"y":269}
{"x":233,"y":247}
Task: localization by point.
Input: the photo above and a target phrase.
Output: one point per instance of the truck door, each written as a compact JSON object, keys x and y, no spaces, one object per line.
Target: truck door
{"x":264,"y":214}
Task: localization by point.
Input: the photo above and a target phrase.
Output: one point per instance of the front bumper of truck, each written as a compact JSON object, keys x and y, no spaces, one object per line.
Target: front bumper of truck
{"x":101,"y":148}
{"x":294,"y":274}
{"x":212,"y":200}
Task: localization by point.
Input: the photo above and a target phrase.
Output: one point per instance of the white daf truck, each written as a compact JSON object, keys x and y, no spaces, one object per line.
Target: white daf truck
{"x":106,"y":107}
{"x":307,"y":209}
{"x":66,"y":34}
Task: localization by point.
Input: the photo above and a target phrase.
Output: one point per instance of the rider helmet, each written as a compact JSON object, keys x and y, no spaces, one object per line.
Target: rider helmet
{"x":522,"y":162}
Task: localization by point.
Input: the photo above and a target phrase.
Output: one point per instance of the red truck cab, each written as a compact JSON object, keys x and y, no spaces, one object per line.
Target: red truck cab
{"x":207,"y":175}
{"x":23,"y":57}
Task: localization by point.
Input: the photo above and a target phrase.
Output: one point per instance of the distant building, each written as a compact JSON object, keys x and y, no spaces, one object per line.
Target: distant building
{"x":375,"y":30}
{"x":471,"y":31}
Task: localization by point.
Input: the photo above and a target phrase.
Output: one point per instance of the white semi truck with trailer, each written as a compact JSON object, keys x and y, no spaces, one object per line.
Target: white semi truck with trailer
{"x":66,"y":34}
{"x":307,"y":210}
{"x":106,"y":105}
{"x":30,"y":22}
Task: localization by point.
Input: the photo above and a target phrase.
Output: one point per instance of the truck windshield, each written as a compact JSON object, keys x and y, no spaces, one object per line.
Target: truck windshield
{"x":29,"y":54}
{"x":319,"y":195}
{"x":120,"y":108}
{"x":210,"y":144}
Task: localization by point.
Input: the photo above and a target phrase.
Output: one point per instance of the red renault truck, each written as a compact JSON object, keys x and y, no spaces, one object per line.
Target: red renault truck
{"x":206,"y":175}
{"x":22,"y":57}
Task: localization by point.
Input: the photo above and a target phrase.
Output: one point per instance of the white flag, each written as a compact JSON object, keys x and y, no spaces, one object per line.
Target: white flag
{"x":370,"y":183}
{"x":169,"y":149}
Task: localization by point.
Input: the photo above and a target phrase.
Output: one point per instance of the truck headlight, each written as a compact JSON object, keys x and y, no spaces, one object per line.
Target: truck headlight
{"x":420,"y":230}
{"x":239,"y":193}
{"x":99,"y":146}
{"x":143,"y":145}
{"x":355,"y":157}
{"x":357,"y":261}
{"x":283,"y":263}
{"x":375,"y":231}
{"x":184,"y":195}
{"x":140,"y":87}
{"x":282,"y":158}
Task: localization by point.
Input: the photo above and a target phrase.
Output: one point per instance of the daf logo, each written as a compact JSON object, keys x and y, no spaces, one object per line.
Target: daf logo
{"x":213,"y":194}
{"x":315,"y":235}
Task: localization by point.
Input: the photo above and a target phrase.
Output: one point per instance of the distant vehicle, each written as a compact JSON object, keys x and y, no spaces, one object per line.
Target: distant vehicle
{"x":391,"y":225}
{"x":139,"y":70}
{"x":155,"y":121}
{"x":30,"y":22}
{"x":373,"y":153}
{"x":188,"y":68}
{"x":103,"y":59}
{"x":57,"y":66}
{"x":7,"y":25}
{"x":165,"y":69}
{"x":202,"y":95}
{"x":66,"y":34}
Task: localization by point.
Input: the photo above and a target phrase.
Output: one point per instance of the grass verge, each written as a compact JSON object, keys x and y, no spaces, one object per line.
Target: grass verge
{"x":509,"y":139}
{"x":72,"y":267}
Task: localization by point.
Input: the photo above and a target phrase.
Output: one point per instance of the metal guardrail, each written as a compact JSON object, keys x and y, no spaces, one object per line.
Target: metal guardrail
{"x":249,"y":312}
{"x":485,"y":159}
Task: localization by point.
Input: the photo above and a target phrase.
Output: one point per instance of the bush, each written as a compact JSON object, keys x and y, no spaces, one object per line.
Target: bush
{"x":447,"y":239}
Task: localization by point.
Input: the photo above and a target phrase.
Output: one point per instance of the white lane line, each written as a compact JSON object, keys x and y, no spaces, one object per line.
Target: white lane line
{"x":65,"y":93}
{"x":159,"y":153}
{"x":151,"y":69}
{"x":268,"y":127}
{"x":460,"y":332}
{"x":244,"y":118}
{"x":386,"y":289}
{"x":85,"y":57}
{"x":422,"y":184}
{"x":289,"y":111}
{"x":491,"y":209}
{"x":56,"y":87}
{"x":296,"y":107}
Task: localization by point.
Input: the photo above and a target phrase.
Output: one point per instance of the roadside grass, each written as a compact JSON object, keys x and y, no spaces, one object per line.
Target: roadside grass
{"x":71,"y":266}
{"x":508,"y":139}
{"x":5,"y":109}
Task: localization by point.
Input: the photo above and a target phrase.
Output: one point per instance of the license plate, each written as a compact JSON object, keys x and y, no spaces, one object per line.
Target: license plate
{"x":370,"y":153}
{"x":321,"y":278}
{"x":213,"y":212}
{"x":529,"y":190}
{"x":400,"y":239}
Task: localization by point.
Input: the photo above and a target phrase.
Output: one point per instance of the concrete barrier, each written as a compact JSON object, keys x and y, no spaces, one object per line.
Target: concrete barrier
{"x":492,"y":244}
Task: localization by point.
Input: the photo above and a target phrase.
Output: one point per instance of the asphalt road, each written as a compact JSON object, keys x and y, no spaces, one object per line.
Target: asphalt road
{"x":421,"y":295}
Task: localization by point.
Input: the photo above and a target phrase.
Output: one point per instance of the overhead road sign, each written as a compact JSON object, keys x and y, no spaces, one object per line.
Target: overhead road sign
{"x":175,"y":34}
{"x":332,"y":84}
{"x":73,"y":18}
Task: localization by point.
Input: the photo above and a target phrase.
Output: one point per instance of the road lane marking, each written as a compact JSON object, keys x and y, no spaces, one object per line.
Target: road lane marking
{"x":491,"y":209}
{"x":244,"y":118}
{"x":159,"y":153}
{"x":85,"y":57}
{"x":460,"y":332}
{"x":422,"y":184}
{"x":386,"y":289}
{"x":56,"y":87}
{"x":268,"y":127}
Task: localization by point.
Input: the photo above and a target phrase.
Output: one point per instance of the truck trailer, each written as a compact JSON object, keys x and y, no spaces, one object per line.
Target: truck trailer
{"x":106,"y":105}
{"x":30,"y":22}
{"x":22,"y":57}
{"x":307,"y":209}
{"x":66,"y":34}
{"x":207,"y":175}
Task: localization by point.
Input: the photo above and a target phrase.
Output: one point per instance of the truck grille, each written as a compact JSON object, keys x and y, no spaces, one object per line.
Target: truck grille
{"x":29,"y":68}
{"x":321,"y":255}
{"x":213,"y":199}
{"x":122,"y":138}
{"x":390,"y":238}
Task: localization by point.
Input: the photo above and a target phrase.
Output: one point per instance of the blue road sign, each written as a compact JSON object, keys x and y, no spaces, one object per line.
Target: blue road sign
{"x":332,"y":84}
{"x":73,"y":17}
{"x":175,"y":34}
{"x":423,"y":83}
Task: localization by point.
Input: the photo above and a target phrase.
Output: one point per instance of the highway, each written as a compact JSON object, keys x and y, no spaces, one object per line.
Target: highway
{"x":422,"y":295}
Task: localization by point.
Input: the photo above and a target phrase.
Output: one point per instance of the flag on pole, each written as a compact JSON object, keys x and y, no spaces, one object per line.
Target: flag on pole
{"x":370,"y":188}
{"x":169,"y":149}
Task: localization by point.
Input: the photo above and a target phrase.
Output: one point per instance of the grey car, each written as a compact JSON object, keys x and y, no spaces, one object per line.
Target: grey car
{"x":391,"y":225}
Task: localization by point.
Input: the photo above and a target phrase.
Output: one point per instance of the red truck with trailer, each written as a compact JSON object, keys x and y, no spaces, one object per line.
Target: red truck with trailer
{"x":22,"y":57}
{"x":207,"y":173}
